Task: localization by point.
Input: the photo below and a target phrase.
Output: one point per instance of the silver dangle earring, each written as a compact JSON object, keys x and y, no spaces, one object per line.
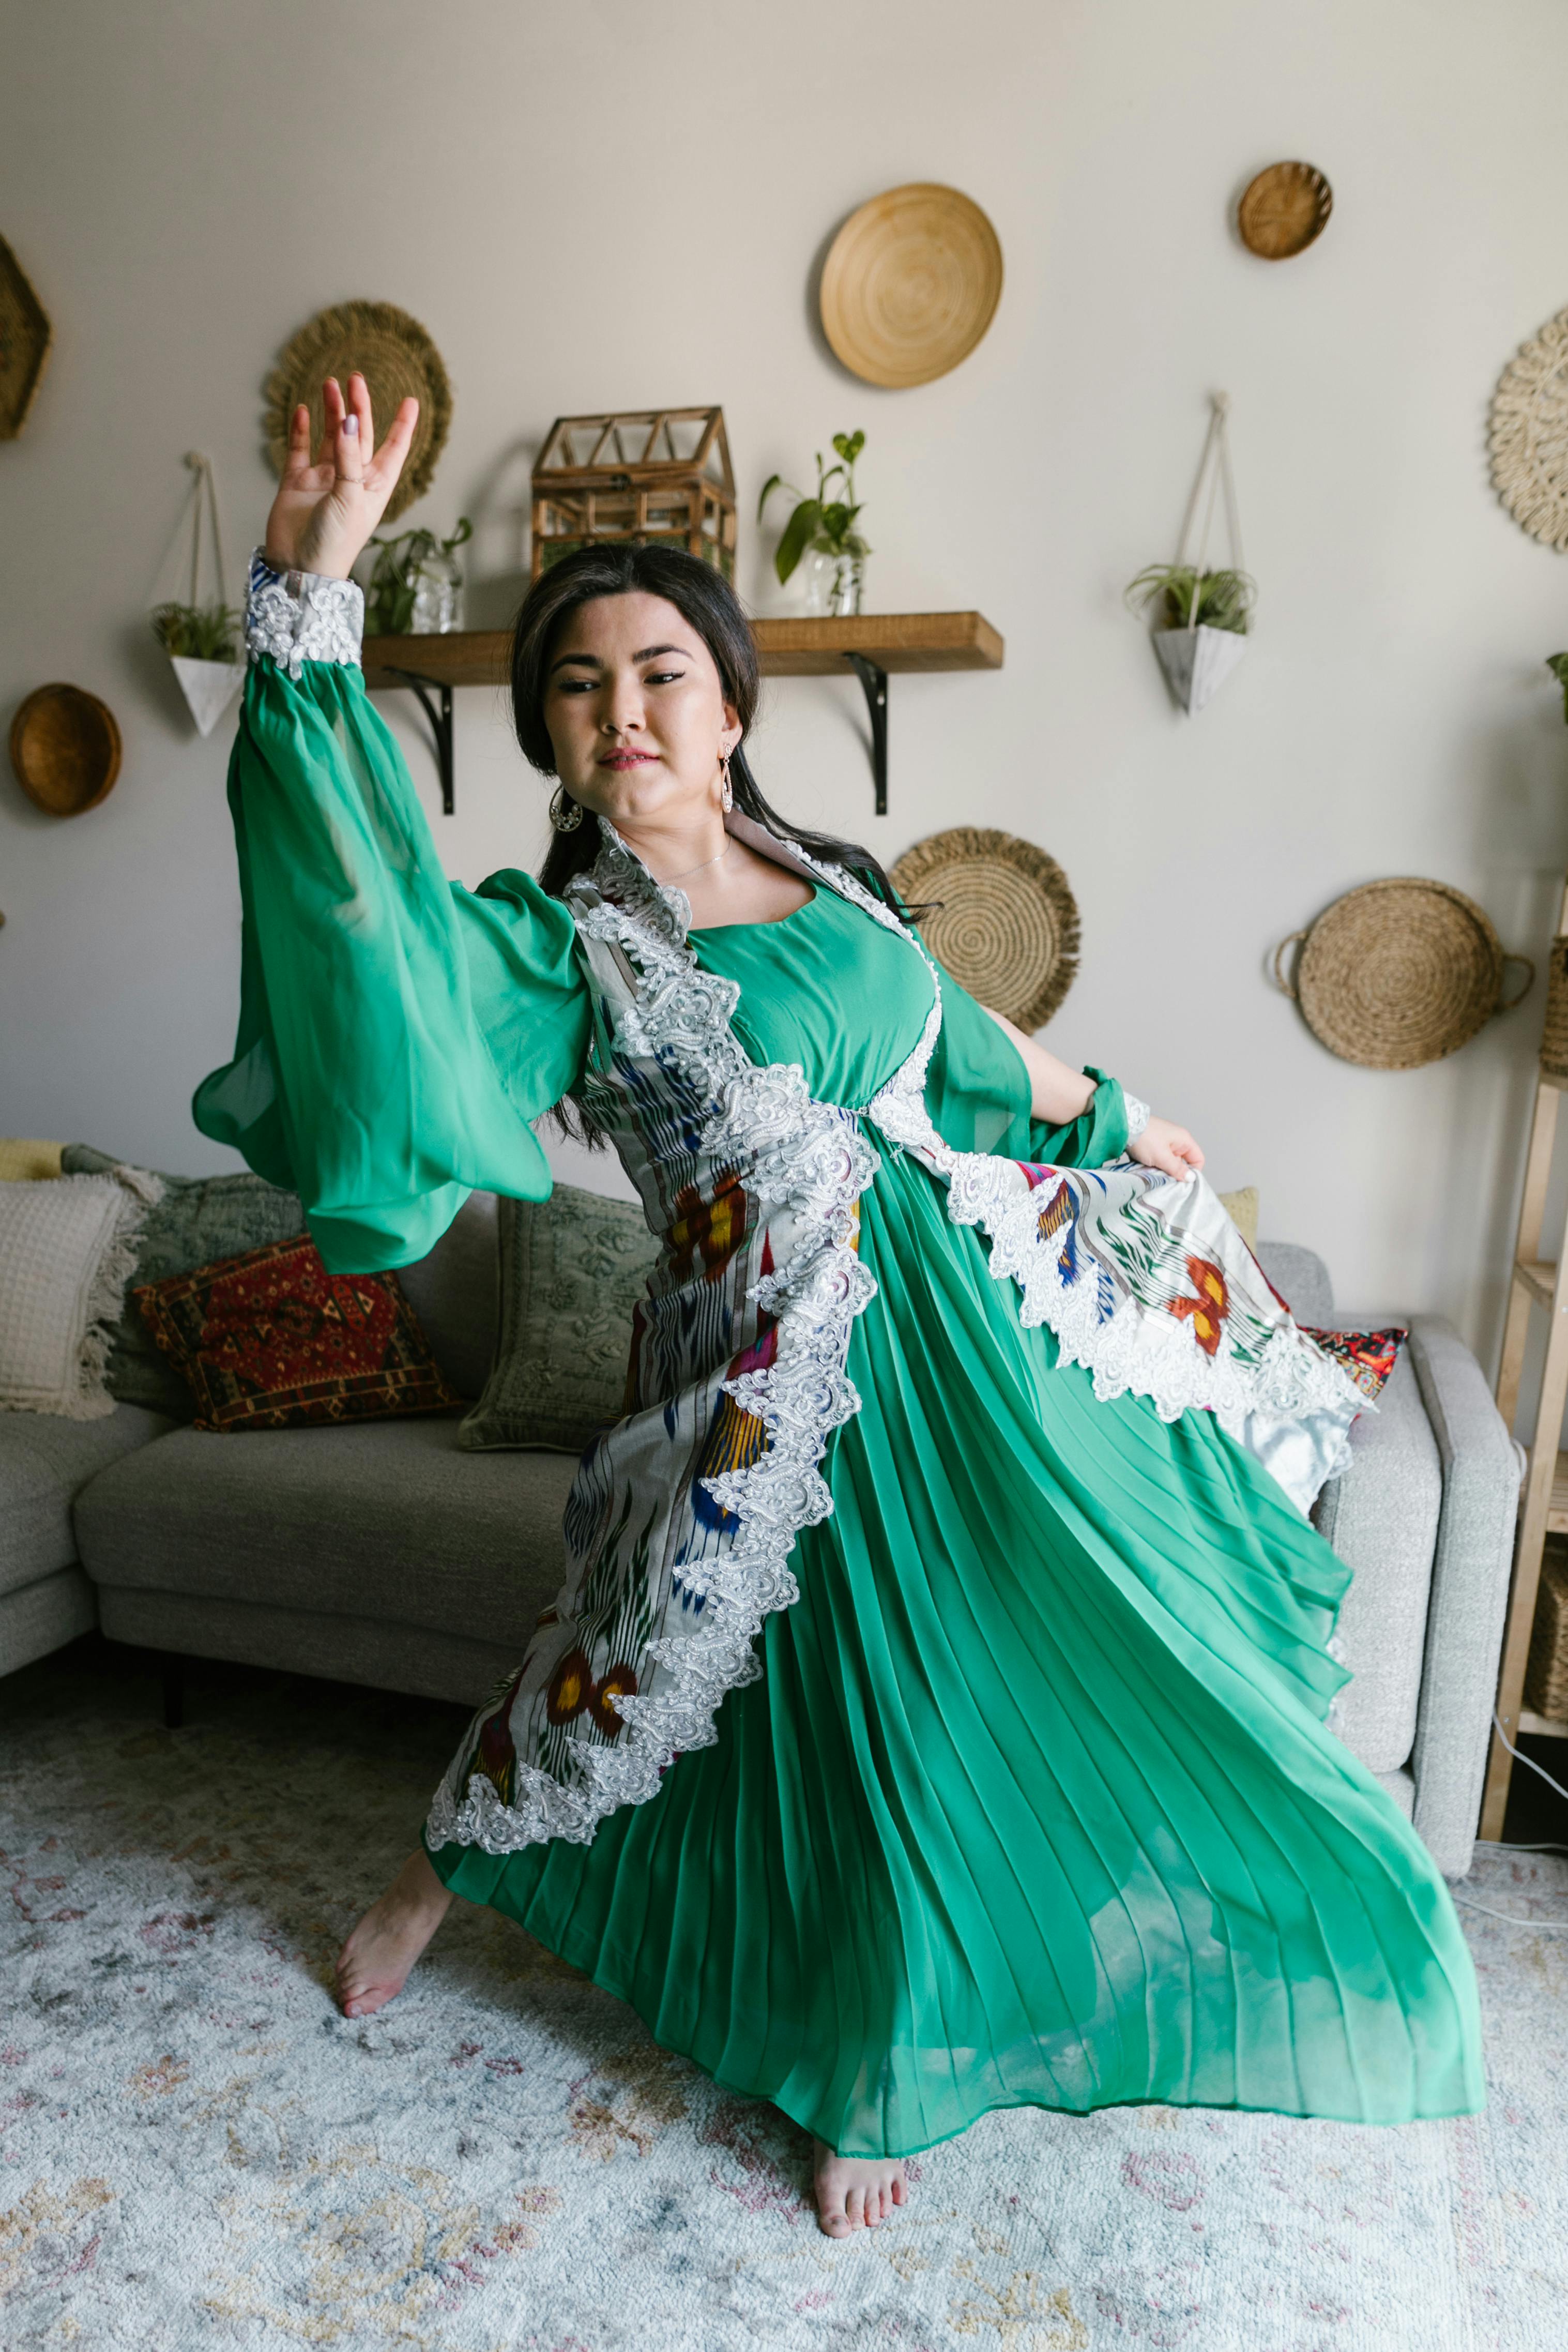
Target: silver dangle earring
{"x":725,"y":790}
{"x":565,"y":814}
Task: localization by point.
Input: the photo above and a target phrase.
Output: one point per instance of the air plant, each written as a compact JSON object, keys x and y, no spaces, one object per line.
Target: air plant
{"x":1223,"y":599}
{"x":197,"y":631}
{"x":1558,"y":664}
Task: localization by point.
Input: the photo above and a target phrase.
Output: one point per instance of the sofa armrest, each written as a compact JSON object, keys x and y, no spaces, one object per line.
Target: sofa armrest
{"x":1470,"y":1571}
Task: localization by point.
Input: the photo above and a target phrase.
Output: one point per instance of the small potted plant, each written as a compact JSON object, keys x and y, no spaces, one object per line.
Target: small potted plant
{"x":823,"y":528}
{"x":415,"y":589}
{"x":202,"y":642}
{"x":1200,"y":624}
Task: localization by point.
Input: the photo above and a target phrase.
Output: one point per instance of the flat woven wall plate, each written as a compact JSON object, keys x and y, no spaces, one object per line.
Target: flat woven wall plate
{"x":1007,"y":927}
{"x":1284,"y":210}
{"x":1399,"y":973}
{"x":394,"y":355}
{"x":24,"y":338}
{"x":910,"y":284}
{"x":1529,"y":434}
{"x":64,"y":749}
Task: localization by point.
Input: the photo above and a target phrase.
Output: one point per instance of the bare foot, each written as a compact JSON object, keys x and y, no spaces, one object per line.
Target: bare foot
{"x":374,"y":1963}
{"x":856,"y":2192}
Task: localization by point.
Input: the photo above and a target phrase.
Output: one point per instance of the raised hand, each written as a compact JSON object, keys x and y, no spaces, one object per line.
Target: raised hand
{"x":324,"y":513}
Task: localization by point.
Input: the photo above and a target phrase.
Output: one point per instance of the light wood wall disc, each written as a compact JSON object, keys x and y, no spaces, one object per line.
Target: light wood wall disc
{"x":64,"y":749}
{"x":1007,"y":927}
{"x":911,"y":284}
{"x":1529,"y":434}
{"x":1284,"y":210}
{"x":1399,"y":973}
{"x":394,"y":355}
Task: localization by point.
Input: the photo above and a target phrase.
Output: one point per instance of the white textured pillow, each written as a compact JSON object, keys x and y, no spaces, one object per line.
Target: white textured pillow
{"x":67,"y":1248}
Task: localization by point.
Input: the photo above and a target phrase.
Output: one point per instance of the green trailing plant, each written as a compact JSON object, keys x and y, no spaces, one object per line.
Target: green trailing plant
{"x":198,"y":632}
{"x":1558,"y":664}
{"x":389,"y":599}
{"x":824,"y":521}
{"x":1224,"y":599}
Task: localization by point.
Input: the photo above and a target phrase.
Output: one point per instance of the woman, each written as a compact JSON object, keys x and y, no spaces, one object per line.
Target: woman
{"x":934,"y":1715}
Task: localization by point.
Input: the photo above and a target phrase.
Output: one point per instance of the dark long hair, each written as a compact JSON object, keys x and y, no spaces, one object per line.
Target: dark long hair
{"x":705,"y":599}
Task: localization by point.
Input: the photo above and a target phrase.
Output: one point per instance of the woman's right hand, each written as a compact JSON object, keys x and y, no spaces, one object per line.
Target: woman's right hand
{"x":324,"y":513}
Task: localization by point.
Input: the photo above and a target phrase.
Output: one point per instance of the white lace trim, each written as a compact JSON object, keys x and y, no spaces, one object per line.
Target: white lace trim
{"x":1138,"y":1115}
{"x":301,"y":616}
{"x":795,"y":1152}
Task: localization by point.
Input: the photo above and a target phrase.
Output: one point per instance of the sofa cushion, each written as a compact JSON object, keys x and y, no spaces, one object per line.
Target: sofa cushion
{"x":383,"y":1518}
{"x":271,"y":1341}
{"x":199,"y":1220}
{"x":1381,"y":1518}
{"x":573,"y":1269}
{"x":202,"y":1219}
{"x":45,"y":1460}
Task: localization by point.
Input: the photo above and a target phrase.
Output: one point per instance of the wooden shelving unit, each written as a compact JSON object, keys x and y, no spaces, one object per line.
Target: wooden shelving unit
{"x":875,"y":646}
{"x":1536,"y":1282}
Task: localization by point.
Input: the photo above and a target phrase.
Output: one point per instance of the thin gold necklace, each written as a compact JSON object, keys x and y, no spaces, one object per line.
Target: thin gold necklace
{"x":671,"y":879}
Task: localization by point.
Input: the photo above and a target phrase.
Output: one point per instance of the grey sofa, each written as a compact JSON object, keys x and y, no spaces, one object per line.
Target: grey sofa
{"x":384,"y":1554}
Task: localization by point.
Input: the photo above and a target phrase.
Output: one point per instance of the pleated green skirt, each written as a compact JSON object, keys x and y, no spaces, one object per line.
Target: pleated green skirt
{"x":1034,"y":1803}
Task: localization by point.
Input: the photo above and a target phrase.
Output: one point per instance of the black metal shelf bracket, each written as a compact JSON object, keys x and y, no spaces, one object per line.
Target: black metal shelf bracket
{"x":440,"y":727}
{"x":873,"y":681}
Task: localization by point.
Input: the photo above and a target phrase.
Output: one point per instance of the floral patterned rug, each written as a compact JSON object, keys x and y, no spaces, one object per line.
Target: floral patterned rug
{"x":196,"y":2149}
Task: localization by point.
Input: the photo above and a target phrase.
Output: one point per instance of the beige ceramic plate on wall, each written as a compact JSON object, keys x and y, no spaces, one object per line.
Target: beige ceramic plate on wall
{"x":911,"y":284}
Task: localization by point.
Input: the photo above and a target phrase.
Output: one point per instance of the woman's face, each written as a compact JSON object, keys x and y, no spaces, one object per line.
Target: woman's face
{"x":636,"y":712}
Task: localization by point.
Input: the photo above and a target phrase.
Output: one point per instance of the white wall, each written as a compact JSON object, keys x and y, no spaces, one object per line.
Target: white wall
{"x":617,"y":204}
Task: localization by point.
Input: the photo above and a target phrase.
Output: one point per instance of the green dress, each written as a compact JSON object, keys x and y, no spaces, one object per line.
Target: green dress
{"x":1033,"y":1800}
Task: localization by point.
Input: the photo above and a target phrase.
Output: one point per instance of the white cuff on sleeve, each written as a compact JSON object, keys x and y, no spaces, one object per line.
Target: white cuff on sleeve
{"x":301,"y":616}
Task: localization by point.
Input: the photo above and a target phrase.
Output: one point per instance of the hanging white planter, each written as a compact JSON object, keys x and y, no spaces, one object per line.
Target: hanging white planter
{"x":1197,"y":656}
{"x":1196,"y":662}
{"x":208,"y":687}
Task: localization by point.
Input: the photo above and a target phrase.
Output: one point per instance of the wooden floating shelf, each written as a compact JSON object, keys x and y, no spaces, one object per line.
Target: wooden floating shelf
{"x":899,"y":642}
{"x":875,"y":646}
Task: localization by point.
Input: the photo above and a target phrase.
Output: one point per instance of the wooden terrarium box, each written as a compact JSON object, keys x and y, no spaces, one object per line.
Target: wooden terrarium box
{"x":654,"y":476}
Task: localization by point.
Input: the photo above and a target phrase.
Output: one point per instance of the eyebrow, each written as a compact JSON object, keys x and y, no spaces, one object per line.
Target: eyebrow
{"x":592,"y":661}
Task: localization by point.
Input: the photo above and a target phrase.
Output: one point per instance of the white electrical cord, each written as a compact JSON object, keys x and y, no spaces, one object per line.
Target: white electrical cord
{"x":1551,"y":1927}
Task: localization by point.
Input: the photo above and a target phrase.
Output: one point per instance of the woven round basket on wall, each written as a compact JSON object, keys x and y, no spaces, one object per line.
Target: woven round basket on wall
{"x":1007,"y":925}
{"x":1399,"y":973}
{"x":394,"y":355}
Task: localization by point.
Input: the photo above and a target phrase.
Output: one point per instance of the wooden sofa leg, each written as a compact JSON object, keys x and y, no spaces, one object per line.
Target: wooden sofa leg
{"x":173,"y":1690}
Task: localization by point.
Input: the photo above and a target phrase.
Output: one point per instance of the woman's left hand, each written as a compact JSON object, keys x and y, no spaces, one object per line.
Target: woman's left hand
{"x":1166,"y":1147}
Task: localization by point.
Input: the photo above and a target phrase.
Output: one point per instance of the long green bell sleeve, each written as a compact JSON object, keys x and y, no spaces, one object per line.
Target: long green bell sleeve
{"x":397,"y":1031}
{"x":979,"y":1095}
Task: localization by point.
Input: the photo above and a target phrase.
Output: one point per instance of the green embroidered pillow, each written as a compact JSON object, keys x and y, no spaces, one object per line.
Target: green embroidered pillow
{"x":199,"y":1220}
{"x":572,"y":1269}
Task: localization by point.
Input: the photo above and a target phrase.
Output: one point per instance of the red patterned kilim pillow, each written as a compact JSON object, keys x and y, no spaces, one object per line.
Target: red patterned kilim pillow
{"x":1368,"y":1357}
{"x":271,"y":1341}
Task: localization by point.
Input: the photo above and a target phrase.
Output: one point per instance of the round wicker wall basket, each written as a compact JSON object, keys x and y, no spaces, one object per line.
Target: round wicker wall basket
{"x":394,"y":355}
{"x":1399,"y":973}
{"x":1007,"y":925}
